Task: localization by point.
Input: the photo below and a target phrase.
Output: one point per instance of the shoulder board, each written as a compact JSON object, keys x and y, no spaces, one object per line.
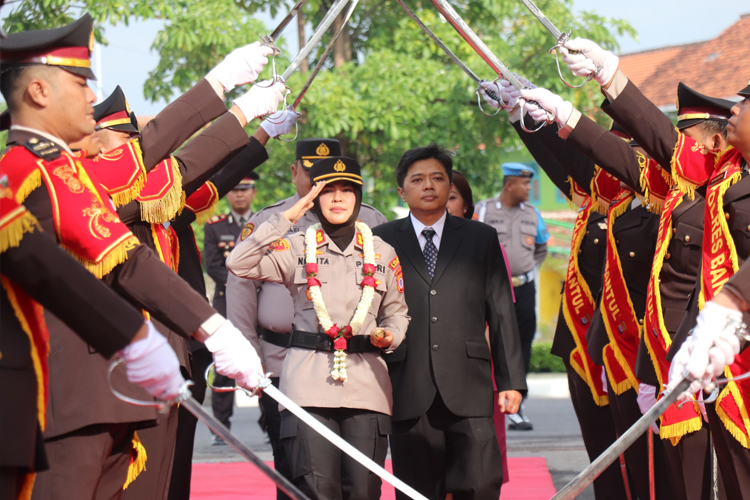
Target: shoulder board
{"x":46,"y":150}
{"x":272,"y":206}
{"x":216,"y":218}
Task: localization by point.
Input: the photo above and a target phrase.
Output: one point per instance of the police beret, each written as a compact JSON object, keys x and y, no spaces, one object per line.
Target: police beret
{"x":517,"y":170}
{"x":694,"y":107}
{"x":311,"y":150}
{"x":248,"y":182}
{"x":336,"y":168}
{"x":68,"y":47}
{"x":114,"y":113}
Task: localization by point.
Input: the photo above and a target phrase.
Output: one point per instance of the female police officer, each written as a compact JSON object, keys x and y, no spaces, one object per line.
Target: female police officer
{"x":349,"y":309}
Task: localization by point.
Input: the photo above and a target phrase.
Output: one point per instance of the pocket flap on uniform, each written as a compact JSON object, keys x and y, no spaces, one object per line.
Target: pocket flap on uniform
{"x":288,"y":425}
{"x":477,"y":349}
{"x":300,"y":275}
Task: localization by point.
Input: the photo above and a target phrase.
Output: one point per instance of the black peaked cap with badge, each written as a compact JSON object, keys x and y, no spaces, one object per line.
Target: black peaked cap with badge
{"x":68,"y":47}
{"x":694,"y":107}
{"x":114,"y":113}
{"x":336,"y":168}
{"x":248,"y":182}
{"x":311,"y":150}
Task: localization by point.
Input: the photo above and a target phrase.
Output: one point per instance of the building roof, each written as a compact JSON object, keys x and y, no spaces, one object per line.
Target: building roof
{"x":717,"y":67}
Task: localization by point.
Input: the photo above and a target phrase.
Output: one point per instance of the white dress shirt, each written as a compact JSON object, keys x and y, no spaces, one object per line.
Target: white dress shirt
{"x":437,"y":227}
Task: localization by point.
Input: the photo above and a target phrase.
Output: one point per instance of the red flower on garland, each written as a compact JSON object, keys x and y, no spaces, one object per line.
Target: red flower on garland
{"x":311,"y":270}
{"x":333,"y":332}
{"x":346,"y":332}
{"x":313,"y":282}
{"x":340,"y":344}
{"x":369,"y":269}
{"x":369,"y":281}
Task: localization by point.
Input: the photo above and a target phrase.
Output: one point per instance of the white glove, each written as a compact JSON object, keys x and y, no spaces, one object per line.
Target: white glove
{"x":592,"y":60}
{"x":152,"y":364}
{"x":241,"y":66}
{"x":646,"y":400}
{"x":507,"y":92}
{"x":234,"y":356}
{"x":547,"y":101}
{"x":274,"y":126}
{"x":261,"y":100}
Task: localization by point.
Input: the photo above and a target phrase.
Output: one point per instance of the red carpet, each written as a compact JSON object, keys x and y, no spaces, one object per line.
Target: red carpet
{"x":529,"y":480}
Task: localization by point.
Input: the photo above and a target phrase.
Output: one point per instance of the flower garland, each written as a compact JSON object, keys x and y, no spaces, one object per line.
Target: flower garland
{"x":340,"y":335}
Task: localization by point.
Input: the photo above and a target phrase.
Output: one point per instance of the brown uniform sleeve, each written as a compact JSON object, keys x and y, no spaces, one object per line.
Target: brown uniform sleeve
{"x":608,"y":151}
{"x":207,"y":152}
{"x":65,"y":288}
{"x":651,"y":128}
{"x":176,"y":123}
{"x":739,"y":284}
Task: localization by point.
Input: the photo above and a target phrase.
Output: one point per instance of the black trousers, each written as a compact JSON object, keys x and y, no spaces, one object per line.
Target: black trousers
{"x":598,"y":431}
{"x":626,"y":412}
{"x":733,"y":458}
{"x":322,"y":471}
{"x":526,"y":316}
{"x":690,"y":466}
{"x":273,"y":426}
{"x":179,"y":486}
{"x":440,"y":453}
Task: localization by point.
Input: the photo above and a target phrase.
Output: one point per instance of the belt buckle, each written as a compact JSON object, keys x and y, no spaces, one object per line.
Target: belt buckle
{"x":516,"y":280}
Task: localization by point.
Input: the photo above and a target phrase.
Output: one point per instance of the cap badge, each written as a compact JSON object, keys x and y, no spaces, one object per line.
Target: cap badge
{"x":526,"y":172}
{"x":339,"y":166}
{"x":323,"y":150}
{"x":127,"y":106}
{"x":307,"y":163}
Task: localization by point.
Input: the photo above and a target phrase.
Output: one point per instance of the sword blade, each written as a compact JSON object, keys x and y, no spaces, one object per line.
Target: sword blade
{"x":284,"y":22}
{"x":335,"y":10}
{"x":585,"y":478}
{"x":340,"y":443}
{"x":220,"y":430}
{"x":543,"y":19}
{"x":475,"y":42}
{"x":325,"y":55}
{"x":440,"y":44}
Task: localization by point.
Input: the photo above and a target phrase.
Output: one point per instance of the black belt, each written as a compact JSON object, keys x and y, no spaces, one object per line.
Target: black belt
{"x":275,"y":338}
{"x":322,"y":342}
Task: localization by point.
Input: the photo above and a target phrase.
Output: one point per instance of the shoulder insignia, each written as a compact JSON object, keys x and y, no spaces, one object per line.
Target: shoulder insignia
{"x":216,"y":218}
{"x":247,"y":231}
{"x":279,"y":245}
{"x":319,"y":252}
{"x":398,"y":273}
{"x":394,"y":263}
{"x":320,"y":237}
{"x":46,"y":150}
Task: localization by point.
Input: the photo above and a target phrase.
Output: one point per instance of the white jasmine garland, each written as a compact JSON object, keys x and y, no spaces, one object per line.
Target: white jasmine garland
{"x":365,"y":301}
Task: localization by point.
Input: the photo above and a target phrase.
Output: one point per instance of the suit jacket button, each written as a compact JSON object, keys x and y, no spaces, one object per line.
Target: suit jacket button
{"x":435,"y":347}
{"x":221,"y":294}
{"x":632,"y":254}
{"x":434,"y":319}
{"x":687,"y":237}
{"x":433,"y":292}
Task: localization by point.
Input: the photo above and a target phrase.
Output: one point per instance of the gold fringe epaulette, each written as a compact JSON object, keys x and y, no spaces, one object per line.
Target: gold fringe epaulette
{"x":14,"y":225}
{"x":675,"y":432}
{"x":138,"y":459}
{"x":114,"y":257}
{"x":168,"y":206}
{"x":33,"y":181}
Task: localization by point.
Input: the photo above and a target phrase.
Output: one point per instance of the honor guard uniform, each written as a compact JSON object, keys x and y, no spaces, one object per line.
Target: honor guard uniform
{"x":524,"y":235}
{"x":578,"y":179}
{"x":356,"y":403}
{"x":263,"y":310}
{"x":220,"y":235}
{"x":72,"y":205}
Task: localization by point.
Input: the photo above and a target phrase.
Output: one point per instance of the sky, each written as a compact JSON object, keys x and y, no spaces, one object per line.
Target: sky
{"x":128,"y":57}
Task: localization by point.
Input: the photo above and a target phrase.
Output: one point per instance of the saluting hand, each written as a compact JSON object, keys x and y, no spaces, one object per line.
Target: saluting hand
{"x":304,"y":204}
{"x":380,"y":337}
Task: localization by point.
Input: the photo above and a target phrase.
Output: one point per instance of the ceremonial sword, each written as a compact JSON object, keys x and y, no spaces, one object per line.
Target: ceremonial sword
{"x":190,"y":404}
{"x":561,"y":39}
{"x":454,"y":57}
{"x":485,"y":53}
{"x":318,"y":66}
{"x":270,"y":40}
{"x":278,"y":396}
{"x":332,"y":13}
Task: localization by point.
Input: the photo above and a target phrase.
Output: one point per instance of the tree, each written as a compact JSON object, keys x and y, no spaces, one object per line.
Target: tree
{"x":395,"y":91}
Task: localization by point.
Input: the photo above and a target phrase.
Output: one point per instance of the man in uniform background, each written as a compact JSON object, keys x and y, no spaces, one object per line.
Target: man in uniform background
{"x":524,"y":235}
{"x":264,"y":310}
{"x":220,"y":234}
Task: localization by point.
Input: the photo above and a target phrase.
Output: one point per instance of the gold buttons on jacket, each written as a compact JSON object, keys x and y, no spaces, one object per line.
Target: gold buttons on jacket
{"x":726,"y":215}
{"x":632,"y":254}
{"x":687,"y":237}
{"x":748,"y":228}
{"x":667,"y":256}
{"x":596,"y":241}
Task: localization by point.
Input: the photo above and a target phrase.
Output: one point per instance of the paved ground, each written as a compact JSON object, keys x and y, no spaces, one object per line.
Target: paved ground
{"x":556,"y":435}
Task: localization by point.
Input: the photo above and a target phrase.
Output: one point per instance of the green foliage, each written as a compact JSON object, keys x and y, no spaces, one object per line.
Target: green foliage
{"x":542,"y":361}
{"x":397,"y":92}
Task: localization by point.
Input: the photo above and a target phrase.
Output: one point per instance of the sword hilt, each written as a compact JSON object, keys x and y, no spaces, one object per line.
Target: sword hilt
{"x":561,"y":41}
{"x":264,"y":382}
{"x":161,"y":405}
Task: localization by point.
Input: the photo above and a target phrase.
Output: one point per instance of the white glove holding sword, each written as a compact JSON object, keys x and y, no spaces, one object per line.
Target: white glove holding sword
{"x":503,"y":89}
{"x":241,"y":66}
{"x":540,"y":102}
{"x":585,"y":58}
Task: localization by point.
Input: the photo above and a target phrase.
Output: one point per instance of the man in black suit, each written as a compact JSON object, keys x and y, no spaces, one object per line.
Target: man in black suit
{"x":455,"y":282}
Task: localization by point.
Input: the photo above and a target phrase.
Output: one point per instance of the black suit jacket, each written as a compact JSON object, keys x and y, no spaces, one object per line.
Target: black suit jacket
{"x":445,"y":348}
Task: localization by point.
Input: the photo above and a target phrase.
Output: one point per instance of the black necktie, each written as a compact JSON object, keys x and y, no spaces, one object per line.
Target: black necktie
{"x":242,"y":222}
{"x":430,"y":250}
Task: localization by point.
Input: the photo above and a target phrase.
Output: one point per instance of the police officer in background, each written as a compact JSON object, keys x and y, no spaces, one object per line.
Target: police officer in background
{"x":220,"y":234}
{"x":265,"y":310}
{"x":524,"y":235}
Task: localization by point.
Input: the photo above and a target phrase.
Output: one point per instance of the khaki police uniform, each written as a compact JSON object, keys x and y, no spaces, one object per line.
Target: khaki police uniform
{"x":523,"y":233}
